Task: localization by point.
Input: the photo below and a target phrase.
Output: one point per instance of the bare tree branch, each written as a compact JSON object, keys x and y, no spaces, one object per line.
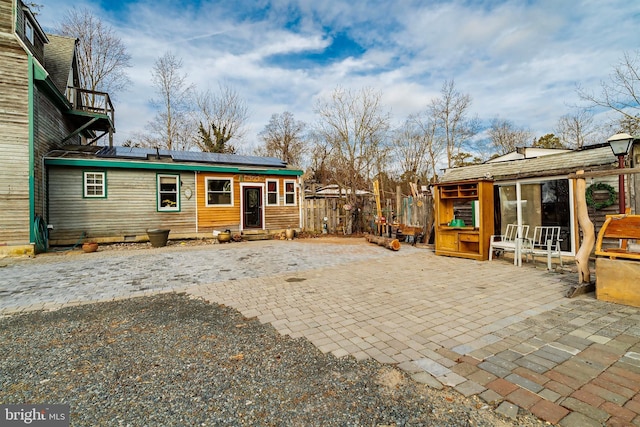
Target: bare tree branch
{"x":622,"y":92}
{"x":450,"y":114}
{"x":221,"y":118}
{"x":283,"y":138}
{"x":355,"y":126}
{"x":102,"y":57}
{"x":170,"y":128}
{"x":577,"y":129}
{"x":506,"y":137}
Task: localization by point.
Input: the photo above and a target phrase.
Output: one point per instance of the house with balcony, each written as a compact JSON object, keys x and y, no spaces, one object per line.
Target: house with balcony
{"x":42,"y":108}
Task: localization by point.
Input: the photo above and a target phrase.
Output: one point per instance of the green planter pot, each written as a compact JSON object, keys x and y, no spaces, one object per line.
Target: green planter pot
{"x":158,"y":238}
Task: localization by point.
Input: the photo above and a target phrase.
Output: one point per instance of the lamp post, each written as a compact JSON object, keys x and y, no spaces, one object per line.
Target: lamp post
{"x":620,"y":144}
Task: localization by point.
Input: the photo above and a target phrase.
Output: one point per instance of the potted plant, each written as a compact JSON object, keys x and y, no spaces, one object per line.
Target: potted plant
{"x":90,"y":246}
{"x":224,"y":236}
{"x":158,"y":237}
{"x":289,"y":233}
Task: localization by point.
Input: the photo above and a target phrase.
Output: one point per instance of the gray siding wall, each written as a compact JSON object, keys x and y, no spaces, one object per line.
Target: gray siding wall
{"x":50,"y":127}
{"x":37,"y":47}
{"x":126,"y":213}
{"x":14,"y":140}
{"x":6,"y":16}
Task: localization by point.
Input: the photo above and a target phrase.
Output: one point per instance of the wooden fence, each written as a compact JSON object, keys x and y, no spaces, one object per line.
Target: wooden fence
{"x":329,"y":214}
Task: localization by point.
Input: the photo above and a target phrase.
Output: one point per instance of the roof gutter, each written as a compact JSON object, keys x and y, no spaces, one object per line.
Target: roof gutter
{"x":98,"y":163}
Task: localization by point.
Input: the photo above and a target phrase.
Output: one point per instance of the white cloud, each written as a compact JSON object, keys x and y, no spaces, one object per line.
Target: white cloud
{"x":518,"y":60}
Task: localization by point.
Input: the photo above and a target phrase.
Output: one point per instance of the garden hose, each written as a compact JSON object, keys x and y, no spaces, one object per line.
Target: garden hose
{"x":40,"y":234}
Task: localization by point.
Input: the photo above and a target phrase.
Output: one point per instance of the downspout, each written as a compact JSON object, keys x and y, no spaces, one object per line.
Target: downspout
{"x":30,"y":102}
{"x":301,"y":200}
{"x":195,"y":194}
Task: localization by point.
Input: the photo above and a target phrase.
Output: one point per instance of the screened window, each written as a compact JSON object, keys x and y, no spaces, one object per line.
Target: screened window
{"x":95,"y":184}
{"x":219,"y":192}
{"x":272,"y":192}
{"x":28,"y":30}
{"x":168,"y":193}
{"x":289,"y":192}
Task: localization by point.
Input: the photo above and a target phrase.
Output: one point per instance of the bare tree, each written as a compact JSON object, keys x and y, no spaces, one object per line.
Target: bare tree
{"x":170,"y":128}
{"x":622,"y":92}
{"x":623,"y":124}
{"x":506,"y":137}
{"x":450,"y":114}
{"x":319,"y":159}
{"x":102,"y":57}
{"x":283,"y":138}
{"x":355,"y":126}
{"x":417,"y":147}
{"x":577,"y":129}
{"x":221,"y":117}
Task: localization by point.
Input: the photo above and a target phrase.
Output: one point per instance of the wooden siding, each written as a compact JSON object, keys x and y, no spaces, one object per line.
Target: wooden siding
{"x":281,"y":217}
{"x":14,"y":142}
{"x":229,"y":217}
{"x":6,"y":16}
{"x":37,"y":48}
{"x":128,"y":210}
{"x":50,"y":127}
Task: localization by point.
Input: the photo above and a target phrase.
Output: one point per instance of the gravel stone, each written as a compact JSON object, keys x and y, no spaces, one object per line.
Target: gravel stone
{"x":171,"y":360}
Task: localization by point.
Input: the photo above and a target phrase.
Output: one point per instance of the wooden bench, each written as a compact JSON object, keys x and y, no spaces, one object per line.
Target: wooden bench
{"x":546,"y":241}
{"x":509,"y":241}
{"x":623,"y":227}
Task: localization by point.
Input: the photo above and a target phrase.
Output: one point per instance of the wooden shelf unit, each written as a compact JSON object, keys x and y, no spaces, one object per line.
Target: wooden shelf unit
{"x":472,"y":240}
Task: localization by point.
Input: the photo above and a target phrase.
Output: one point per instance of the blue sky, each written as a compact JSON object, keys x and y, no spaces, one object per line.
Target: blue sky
{"x":518,"y":60}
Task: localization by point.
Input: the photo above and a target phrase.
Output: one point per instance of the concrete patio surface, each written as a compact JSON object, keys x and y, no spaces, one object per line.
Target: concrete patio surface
{"x":504,"y":333}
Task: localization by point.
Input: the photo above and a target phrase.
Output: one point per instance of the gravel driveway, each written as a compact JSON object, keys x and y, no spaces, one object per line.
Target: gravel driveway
{"x":171,"y":360}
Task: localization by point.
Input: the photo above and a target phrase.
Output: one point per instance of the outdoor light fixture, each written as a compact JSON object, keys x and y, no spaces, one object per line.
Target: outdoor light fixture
{"x":620,"y":145}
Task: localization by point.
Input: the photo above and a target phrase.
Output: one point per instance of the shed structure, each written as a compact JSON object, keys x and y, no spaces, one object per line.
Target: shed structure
{"x":535,"y":189}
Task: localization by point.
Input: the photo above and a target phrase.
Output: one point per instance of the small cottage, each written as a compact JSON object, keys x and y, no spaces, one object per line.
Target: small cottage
{"x":114,"y":194}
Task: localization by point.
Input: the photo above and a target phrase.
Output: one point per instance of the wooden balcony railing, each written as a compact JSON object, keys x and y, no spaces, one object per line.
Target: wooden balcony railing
{"x":91,"y":101}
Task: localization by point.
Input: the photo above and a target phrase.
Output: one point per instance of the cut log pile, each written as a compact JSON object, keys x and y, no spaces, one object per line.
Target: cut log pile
{"x":387,"y":242}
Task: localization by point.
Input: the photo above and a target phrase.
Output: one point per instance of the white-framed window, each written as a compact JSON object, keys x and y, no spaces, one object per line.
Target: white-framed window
{"x":272,"y":192}
{"x":290,"y":193}
{"x":168,"y":187}
{"x":219,"y":191}
{"x":94,"y":184}
{"x":28,"y":30}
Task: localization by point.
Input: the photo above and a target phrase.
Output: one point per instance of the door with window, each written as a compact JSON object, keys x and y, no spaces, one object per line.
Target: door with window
{"x":252,"y":207}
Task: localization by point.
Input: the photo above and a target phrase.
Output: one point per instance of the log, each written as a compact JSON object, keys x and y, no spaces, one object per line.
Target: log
{"x":387,"y":242}
{"x":588,"y":232}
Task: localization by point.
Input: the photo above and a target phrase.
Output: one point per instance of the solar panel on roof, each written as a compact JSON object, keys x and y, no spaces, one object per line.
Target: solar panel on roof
{"x":230,"y":159}
{"x":190,"y":156}
{"x":123,"y":152}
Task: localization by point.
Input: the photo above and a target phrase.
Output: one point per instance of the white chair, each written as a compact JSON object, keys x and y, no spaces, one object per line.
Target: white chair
{"x":510,"y":241}
{"x":546,"y":241}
